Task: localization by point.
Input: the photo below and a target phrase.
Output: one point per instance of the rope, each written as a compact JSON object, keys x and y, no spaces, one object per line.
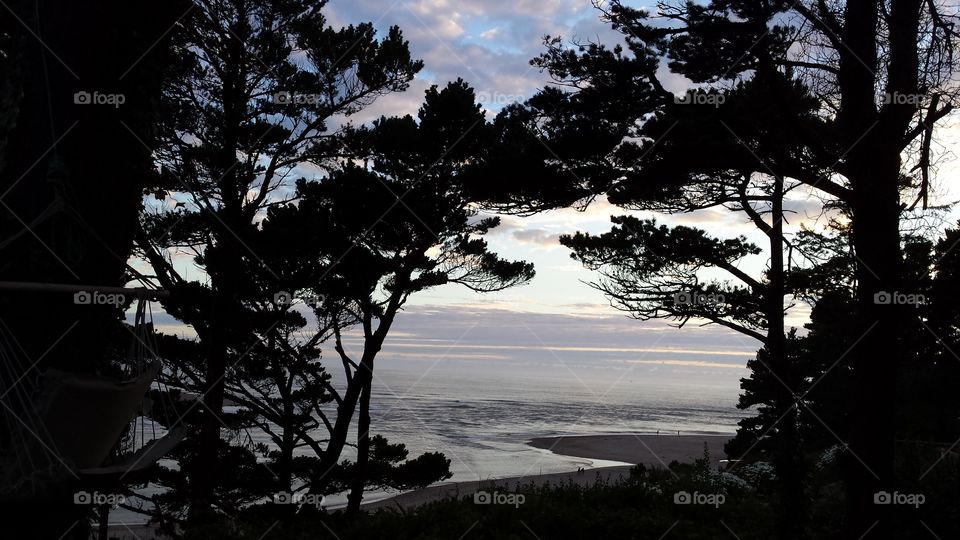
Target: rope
{"x":27,"y":460}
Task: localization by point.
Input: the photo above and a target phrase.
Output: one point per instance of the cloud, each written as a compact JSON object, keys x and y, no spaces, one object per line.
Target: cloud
{"x":492,"y":33}
{"x":537,"y":237}
{"x":487,"y":43}
{"x":560,"y":344}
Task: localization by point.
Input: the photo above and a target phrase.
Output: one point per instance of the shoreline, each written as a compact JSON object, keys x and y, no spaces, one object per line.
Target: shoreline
{"x":651,"y":450}
{"x":458,"y":490}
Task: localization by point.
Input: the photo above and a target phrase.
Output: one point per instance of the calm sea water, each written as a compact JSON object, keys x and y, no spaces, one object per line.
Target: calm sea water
{"x":481,"y":417}
{"x":482,"y":420}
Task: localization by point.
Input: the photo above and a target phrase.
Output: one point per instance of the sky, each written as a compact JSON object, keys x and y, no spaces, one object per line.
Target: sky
{"x":489,"y":43}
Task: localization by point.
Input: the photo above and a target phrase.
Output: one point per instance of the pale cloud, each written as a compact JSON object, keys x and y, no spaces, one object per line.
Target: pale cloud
{"x":487,"y":43}
{"x":536,"y":237}
{"x":492,"y":33}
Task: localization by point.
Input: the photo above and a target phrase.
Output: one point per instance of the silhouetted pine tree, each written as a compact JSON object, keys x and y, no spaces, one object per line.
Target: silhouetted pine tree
{"x":374,"y":235}
{"x":258,"y":84}
{"x":855,"y":145}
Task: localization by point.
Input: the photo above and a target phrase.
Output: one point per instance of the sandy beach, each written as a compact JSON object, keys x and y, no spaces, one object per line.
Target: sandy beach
{"x":651,"y":450}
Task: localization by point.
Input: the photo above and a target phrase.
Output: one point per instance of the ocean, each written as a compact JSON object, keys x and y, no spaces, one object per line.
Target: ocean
{"x":482,"y":418}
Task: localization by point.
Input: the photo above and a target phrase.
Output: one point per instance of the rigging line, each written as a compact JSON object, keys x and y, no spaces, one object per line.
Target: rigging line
{"x":43,"y":216}
{"x":148,"y":345}
{"x":19,"y":442}
{"x":46,"y":74}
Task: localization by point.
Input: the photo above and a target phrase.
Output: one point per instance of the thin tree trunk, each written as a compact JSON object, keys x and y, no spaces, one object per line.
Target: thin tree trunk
{"x":285,"y":461}
{"x":225,"y":268}
{"x":361,"y":379}
{"x":104,"y":529}
{"x":788,"y":454}
{"x":363,"y":448}
{"x":204,"y":475}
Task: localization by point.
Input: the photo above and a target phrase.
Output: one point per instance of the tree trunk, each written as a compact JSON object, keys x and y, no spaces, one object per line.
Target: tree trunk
{"x":225,"y":267}
{"x":873,"y":167}
{"x":870,"y":461}
{"x":285,"y":462}
{"x":338,"y":436}
{"x":363,"y":447}
{"x":788,"y":456}
{"x":206,"y":471}
{"x":361,"y":380}
{"x":104,"y":528}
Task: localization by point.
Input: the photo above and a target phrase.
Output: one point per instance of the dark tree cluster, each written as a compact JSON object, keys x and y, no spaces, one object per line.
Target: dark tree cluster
{"x":212,"y":144}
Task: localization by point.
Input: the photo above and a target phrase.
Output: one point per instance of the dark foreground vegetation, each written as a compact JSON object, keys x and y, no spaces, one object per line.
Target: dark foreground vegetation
{"x":204,"y":150}
{"x":641,"y":506}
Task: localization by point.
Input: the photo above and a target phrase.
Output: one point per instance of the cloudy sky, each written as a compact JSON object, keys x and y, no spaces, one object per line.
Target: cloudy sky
{"x":489,"y":43}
